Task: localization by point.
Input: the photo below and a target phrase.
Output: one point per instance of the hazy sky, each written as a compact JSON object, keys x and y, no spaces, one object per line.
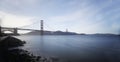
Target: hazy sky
{"x":81,"y":16}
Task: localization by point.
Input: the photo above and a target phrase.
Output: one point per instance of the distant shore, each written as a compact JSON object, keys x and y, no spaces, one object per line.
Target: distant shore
{"x":68,"y":33}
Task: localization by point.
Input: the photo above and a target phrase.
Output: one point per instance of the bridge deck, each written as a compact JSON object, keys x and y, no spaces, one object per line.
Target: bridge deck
{"x":19,"y":29}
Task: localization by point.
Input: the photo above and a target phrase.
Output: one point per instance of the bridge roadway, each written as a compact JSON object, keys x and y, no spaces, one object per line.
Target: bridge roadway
{"x":15,"y":30}
{"x":19,"y":29}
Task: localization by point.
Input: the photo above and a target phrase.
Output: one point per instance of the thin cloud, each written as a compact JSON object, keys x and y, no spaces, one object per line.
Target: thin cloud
{"x":90,"y":19}
{"x":19,"y":2}
{"x":10,"y":20}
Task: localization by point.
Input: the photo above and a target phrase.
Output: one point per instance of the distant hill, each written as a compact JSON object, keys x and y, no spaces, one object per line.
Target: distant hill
{"x":51,"y":33}
{"x":105,"y":34}
{"x":67,"y":33}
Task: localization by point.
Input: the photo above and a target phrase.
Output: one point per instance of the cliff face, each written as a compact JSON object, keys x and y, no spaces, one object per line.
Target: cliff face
{"x":51,"y":33}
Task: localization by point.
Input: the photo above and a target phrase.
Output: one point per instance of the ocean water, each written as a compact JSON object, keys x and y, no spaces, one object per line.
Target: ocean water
{"x":75,"y":48}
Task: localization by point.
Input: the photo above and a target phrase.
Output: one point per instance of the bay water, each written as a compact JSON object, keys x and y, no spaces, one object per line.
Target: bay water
{"x":74,"y":48}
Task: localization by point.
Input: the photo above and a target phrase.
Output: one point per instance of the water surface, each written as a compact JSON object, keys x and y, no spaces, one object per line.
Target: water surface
{"x":75,"y":48}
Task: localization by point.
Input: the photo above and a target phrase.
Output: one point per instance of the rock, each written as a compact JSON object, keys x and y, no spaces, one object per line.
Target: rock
{"x":8,"y":42}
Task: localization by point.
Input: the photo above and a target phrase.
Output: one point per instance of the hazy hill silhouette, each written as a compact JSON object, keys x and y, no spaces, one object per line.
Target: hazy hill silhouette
{"x":51,"y":33}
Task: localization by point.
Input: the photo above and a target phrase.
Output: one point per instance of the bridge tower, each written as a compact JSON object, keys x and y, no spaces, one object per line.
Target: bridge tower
{"x":66,"y":30}
{"x":0,"y":30}
{"x":0,"y":27}
{"x":15,"y":31}
{"x":42,"y":31}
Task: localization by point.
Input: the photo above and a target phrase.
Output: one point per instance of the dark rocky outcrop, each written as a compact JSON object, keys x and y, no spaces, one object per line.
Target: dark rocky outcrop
{"x":9,"y":42}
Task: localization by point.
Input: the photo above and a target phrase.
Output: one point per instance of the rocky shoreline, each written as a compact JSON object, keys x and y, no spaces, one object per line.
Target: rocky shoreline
{"x":10,"y":53}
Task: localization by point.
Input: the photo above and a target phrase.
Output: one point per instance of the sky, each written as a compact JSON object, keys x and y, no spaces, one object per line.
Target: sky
{"x":81,"y":16}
